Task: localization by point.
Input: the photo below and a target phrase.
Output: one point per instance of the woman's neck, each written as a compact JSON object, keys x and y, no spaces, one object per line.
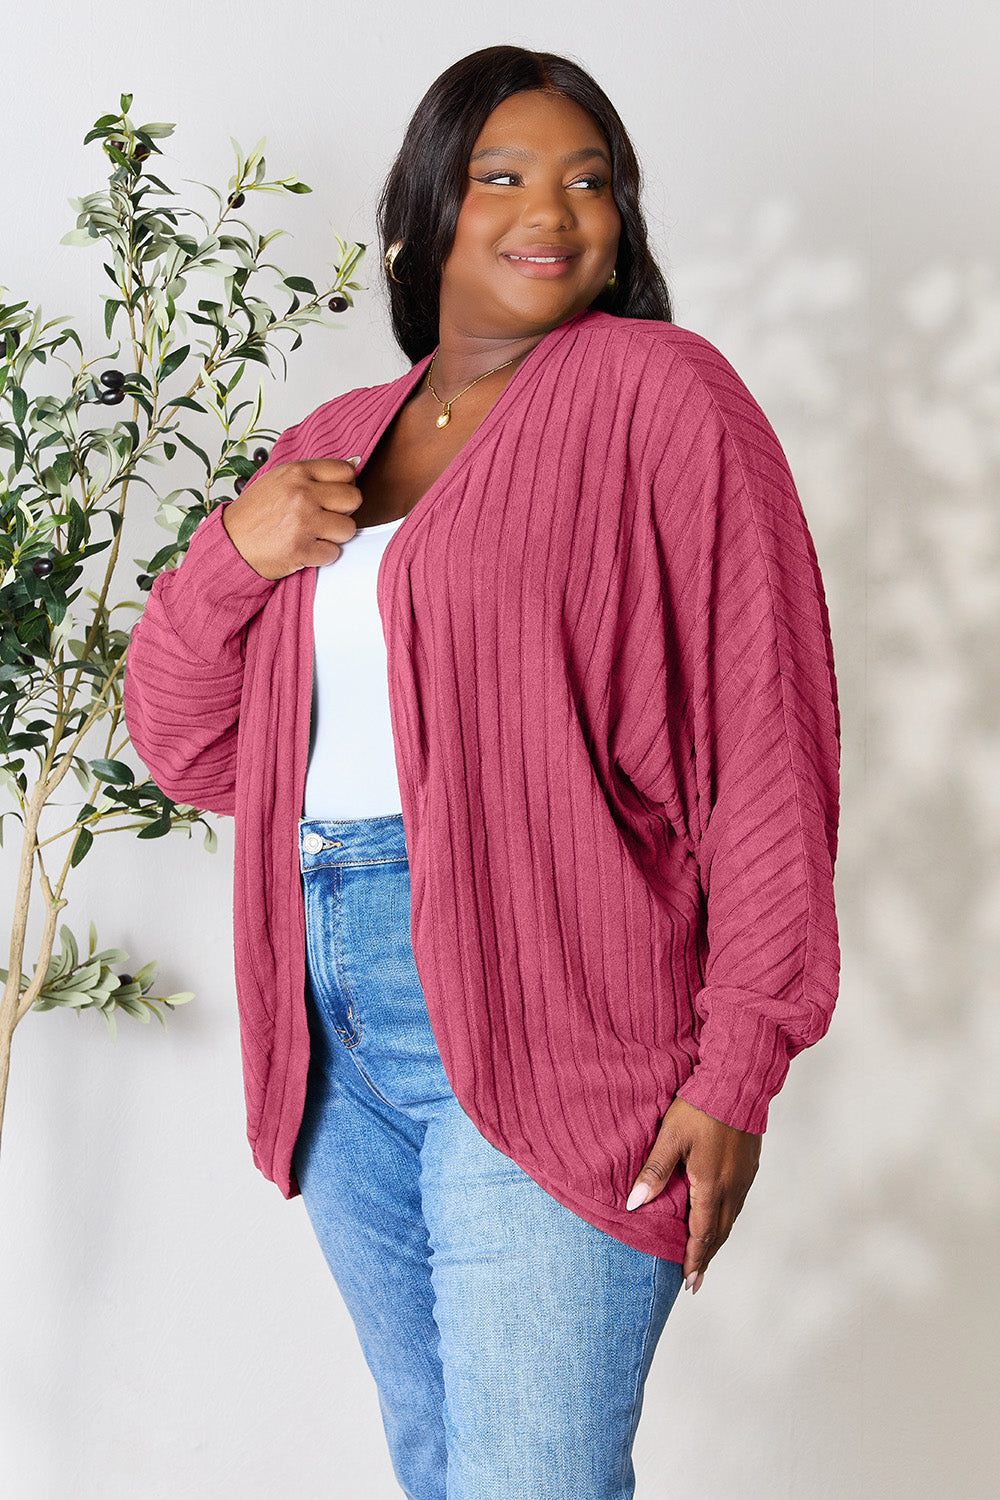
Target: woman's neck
{"x":456,"y":365}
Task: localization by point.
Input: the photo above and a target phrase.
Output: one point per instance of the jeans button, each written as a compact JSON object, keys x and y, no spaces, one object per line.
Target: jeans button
{"x":312,"y":843}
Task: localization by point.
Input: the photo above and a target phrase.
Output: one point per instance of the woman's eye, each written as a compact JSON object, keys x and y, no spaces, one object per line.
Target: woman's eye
{"x":591,"y":182}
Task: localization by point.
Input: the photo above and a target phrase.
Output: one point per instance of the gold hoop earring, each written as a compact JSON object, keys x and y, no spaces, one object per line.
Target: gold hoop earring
{"x":390,"y":259}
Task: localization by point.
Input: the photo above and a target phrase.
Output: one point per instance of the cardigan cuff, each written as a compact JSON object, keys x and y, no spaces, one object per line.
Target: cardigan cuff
{"x":214,"y":592}
{"x":743,"y":1058}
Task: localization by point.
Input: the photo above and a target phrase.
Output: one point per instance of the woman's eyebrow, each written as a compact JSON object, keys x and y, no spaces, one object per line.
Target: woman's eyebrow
{"x":584,"y":154}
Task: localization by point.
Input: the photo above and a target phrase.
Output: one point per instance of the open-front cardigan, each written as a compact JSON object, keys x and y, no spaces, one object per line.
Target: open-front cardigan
{"x":615,"y":724}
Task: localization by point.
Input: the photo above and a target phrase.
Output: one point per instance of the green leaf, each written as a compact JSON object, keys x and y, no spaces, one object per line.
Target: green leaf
{"x":195,"y":449}
{"x":80,"y":237}
{"x":155,"y":830}
{"x":19,"y":405}
{"x":227,"y":390}
{"x":126,"y":102}
{"x":186,"y":401}
{"x":115,"y":771}
{"x":202,"y":322}
{"x":134,"y":1008}
{"x":243,"y":468}
{"x":163,"y":556}
{"x":211,"y":839}
{"x":111,"y":307}
{"x":69,"y":946}
{"x":80,"y":666}
{"x":173,"y":360}
{"x":84,"y":839}
{"x":251,"y":351}
{"x":301,"y":284}
{"x":190,"y":524}
{"x":106,"y":955}
{"x":81,"y":978}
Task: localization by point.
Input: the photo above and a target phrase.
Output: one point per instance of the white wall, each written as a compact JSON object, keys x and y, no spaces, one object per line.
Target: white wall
{"x":821,"y":198}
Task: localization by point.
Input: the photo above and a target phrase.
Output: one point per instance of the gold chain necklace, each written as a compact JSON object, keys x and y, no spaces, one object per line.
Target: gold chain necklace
{"x":446,"y":406}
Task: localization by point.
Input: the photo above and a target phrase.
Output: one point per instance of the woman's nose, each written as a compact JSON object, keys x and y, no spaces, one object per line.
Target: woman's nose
{"x":548,"y":208}
{"x":549,"y":216}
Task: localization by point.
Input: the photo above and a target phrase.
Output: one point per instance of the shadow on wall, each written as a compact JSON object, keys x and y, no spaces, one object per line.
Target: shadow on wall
{"x":886,"y":398}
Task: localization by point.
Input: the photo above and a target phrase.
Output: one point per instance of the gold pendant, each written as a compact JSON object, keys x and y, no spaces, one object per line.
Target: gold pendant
{"x":445,"y":417}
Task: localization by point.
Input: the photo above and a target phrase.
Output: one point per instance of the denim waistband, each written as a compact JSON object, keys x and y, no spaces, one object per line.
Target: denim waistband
{"x":351,"y":841}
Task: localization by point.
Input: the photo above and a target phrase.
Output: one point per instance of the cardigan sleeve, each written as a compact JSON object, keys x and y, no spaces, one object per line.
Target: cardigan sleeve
{"x":184,"y":669}
{"x":760,"y":784}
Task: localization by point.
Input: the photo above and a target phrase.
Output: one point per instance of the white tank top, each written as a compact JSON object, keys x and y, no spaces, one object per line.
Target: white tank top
{"x":352,"y":762}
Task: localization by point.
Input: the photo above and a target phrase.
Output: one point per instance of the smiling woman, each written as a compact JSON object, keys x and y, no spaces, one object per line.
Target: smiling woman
{"x":556,"y":230}
{"x":515,"y":672}
{"x":531,"y":248}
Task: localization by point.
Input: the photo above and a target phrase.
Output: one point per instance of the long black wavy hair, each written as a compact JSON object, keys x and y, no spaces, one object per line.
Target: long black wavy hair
{"x":427,"y":183}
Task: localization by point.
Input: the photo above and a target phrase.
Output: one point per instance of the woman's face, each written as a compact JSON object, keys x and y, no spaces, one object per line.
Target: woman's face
{"x":539,"y":184}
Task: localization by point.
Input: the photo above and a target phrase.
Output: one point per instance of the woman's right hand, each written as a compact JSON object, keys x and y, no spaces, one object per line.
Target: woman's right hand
{"x":294,"y":516}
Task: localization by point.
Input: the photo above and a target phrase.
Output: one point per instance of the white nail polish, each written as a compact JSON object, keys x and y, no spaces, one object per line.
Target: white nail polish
{"x":638,"y":1195}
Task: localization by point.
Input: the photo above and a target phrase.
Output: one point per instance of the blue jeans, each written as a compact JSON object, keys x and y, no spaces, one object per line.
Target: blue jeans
{"x":509,"y":1339}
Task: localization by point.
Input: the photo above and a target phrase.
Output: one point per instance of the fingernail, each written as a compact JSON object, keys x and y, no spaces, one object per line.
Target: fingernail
{"x":355,"y":460}
{"x":694,"y":1281}
{"x":638,"y":1195}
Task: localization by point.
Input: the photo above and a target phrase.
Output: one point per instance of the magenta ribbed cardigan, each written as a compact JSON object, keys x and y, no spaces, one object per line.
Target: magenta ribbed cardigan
{"x":616,"y":731}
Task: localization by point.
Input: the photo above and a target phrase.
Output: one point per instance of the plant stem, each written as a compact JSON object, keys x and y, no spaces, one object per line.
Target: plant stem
{"x":13,"y":1007}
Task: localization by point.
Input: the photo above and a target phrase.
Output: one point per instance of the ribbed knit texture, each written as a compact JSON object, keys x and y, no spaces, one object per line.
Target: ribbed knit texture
{"x":615,"y":722}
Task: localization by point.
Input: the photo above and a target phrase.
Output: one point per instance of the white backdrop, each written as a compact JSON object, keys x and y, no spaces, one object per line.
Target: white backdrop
{"x":821,"y":199}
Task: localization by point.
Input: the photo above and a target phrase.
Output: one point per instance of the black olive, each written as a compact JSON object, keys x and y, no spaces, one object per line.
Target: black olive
{"x":111,"y":398}
{"x":119,"y":146}
{"x":239,"y":485}
{"x":145,"y":582}
{"x":141,"y":152}
{"x":260,"y":456}
{"x":42,"y":567}
{"x":13,"y":335}
{"x":237,"y":200}
{"x":124,"y":979}
{"x":113,"y":379}
{"x":338,"y":304}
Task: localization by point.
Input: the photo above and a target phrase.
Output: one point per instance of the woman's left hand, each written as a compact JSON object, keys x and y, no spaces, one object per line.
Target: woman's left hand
{"x":720,"y":1163}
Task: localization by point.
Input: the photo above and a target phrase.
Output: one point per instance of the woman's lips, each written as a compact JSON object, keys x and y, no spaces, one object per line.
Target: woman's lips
{"x":545,"y":270}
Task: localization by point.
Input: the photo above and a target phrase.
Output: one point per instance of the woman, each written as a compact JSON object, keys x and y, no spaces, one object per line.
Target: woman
{"x":527,"y":716}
